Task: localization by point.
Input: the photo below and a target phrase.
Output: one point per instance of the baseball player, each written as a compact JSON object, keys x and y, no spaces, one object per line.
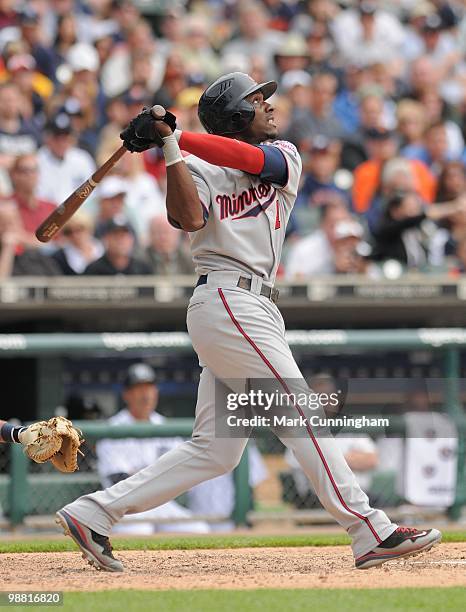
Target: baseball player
{"x":233,"y":192}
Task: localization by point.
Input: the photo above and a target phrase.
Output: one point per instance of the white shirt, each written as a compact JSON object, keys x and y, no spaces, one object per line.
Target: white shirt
{"x":58,"y":178}
{"x":247,"y":216}
{"x":310,"y":256}
{"x":386,"y":45}
{"x":129,"y":455}
{"x":144,"y":200}
{"x":76,"y":259}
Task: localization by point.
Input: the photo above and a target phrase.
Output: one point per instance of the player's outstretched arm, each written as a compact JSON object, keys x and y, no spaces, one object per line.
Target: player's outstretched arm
{"x":10,"y":433}
{"x":261,"y":160}
{"x":183,"y":204}
{"x":56,"y":440}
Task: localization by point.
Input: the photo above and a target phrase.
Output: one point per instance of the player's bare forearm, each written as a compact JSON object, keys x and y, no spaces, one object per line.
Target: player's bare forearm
{"x":183,"y":204}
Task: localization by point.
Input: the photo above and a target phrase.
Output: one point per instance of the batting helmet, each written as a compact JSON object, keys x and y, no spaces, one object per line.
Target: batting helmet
{"x":223,"y":108}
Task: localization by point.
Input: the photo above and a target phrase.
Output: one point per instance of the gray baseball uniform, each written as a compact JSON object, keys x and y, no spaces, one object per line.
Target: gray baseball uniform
{"x":239,"y":334}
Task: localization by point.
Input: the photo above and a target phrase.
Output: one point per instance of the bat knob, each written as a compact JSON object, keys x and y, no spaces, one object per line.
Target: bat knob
{"x":158,"y":112}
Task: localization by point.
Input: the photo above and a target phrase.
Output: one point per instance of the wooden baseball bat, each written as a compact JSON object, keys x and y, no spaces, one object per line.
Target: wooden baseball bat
{"x":57,"y":218}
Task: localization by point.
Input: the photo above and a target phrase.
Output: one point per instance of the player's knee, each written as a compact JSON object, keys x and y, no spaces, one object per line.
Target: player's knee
{"x":227,"y":464}
{"x":222,"y":455}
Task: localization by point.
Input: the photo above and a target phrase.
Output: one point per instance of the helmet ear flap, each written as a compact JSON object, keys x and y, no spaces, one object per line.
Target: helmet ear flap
{"x":236,"y":117}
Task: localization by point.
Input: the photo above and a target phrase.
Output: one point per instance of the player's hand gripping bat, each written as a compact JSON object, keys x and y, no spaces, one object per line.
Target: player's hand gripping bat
{"x":57,"y":218}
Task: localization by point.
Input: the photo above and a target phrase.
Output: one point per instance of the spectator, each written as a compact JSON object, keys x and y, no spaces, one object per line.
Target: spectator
{"x":62,"y":165}
{"x":118,"y":258}
{"x":112,"y":192}
{"x":81,"y":111}
{"x":121,"y":458}
{"x":196,"y":49}
{"x":371,"y":177}
{"x":437,"y":110}
{"x":411,"y":123}
{"x":8,"y":15}
{"x":422,"y":77}
{"x":117,"y":118}
{"x":141,"y":72}
{"x":368,"y":34}
{"x":292,"y":54}
{"x":330,"y":249}
{"x":33,"y":87}
{"x":186,"y":109}
{"x":80,"y":248}
{"x":296,"y":85}
{"x":347,"y":102}
{"x":254,"y":38}
{"x":174,"y":81}
{"x":406,"y":232}
{"x":24,"y":175}
{"x":165,"y":252}
{"x":171,"y":28}
{"x":143,"y":197}
{"x":85,"y":83}
{"x":320,"y":165}
{"x":16,"y":258}
{"x":103,"y":38}
{"x":319,"y":118}
{"x":370,"y":117}
{"x":17,"y":136}
{"x":116,"y":75}
{"x":434,"y":150}
{"x":66,"y":36}
{"x":320,"y":48}
{"x":319,"y":183}
{"x":452,"y":182}
{"x":126,"y":15}
{"x":413,"y":46}
{"x":31,"y":34}
{"x":434,"y":42}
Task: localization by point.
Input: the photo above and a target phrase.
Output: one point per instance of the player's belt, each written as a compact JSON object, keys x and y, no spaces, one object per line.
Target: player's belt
{"x":245,"y":283}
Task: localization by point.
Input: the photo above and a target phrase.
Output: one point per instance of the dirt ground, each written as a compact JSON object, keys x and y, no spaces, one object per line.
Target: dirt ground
{"x":306,"y":567}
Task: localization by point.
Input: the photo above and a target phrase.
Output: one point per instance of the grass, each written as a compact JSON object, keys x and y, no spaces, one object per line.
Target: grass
{"x":199,"y":542}
{"x":271,"y":600}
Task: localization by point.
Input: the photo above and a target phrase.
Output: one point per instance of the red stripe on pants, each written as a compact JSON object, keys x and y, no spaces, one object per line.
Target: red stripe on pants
{"x":298,"y":408}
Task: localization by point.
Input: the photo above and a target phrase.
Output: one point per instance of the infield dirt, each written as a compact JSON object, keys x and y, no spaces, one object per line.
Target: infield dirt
{"x":246,"y":568}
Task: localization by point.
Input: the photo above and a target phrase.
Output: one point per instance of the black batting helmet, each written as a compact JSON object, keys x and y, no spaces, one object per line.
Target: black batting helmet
{"x":223,"y":108}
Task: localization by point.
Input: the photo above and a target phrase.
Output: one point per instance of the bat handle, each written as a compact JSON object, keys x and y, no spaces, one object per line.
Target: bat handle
{"x":108,"y":165}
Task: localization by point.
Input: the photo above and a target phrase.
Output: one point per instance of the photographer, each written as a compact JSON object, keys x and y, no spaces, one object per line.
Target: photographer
{"x":407,"y":231}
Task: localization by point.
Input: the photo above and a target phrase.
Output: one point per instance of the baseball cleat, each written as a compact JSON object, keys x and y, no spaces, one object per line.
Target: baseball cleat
{"x":96,"y":548}
{"x":403,"y":542}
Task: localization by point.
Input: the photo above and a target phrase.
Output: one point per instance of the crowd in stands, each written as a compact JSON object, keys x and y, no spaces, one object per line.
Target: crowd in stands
{"x":372,"y":93}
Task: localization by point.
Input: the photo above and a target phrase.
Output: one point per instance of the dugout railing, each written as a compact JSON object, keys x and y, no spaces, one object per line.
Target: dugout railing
{"x":54,"y":346}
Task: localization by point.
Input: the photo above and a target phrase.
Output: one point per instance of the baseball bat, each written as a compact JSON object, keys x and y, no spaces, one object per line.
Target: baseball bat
{"x":57,"y":218}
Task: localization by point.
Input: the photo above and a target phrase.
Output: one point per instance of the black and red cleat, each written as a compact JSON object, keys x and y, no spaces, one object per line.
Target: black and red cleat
{"x":96,"y":548}
{"x":403,"y":542}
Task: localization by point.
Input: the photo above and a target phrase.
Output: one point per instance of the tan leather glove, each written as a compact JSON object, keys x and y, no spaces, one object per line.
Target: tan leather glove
{"x":56,"y":440}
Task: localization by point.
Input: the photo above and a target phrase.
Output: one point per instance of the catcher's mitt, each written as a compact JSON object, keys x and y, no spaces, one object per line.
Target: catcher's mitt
{"x":56,"y":439}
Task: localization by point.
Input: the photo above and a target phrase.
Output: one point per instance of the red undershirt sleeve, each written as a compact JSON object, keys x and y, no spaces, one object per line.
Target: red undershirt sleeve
{"x":222,"y":151}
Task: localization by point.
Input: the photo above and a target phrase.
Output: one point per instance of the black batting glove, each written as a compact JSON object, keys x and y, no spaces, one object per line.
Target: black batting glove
{"x":141,"y":133}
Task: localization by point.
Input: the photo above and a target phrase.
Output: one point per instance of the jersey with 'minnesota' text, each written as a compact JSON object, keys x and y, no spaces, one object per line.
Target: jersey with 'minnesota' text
{"x":247,"y":216}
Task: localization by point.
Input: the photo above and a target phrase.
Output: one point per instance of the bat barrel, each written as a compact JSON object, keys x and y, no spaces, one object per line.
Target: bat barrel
{"x":58,"y":217}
